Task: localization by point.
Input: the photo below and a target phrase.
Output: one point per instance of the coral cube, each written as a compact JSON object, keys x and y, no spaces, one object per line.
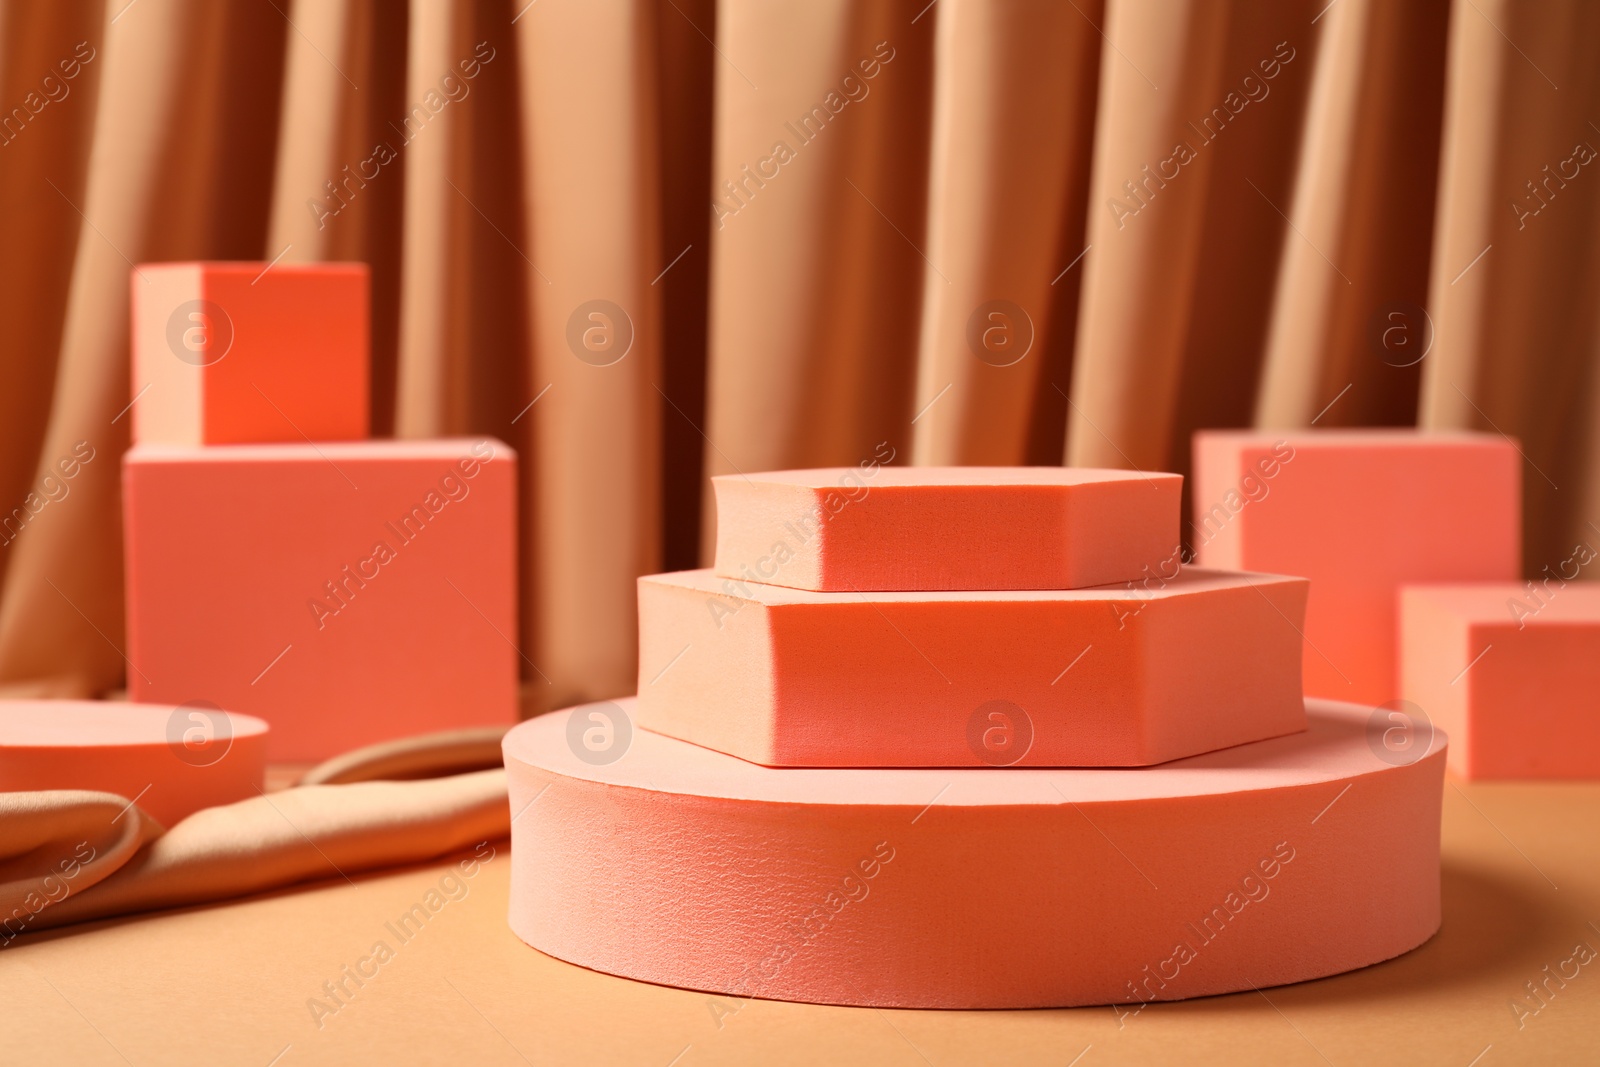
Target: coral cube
{"x":1510,"y":672}
{"x":230,"y":353}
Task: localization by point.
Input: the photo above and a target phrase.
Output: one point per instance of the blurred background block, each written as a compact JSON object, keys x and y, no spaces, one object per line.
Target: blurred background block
{"x":1360,"y":513}
{"x":1511,"y":672}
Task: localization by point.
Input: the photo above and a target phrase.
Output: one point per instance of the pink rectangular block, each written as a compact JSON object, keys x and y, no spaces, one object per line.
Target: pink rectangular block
{"x":1123,"y":675}
{"x":1510,"y":672}
{"x":1359,"y":512}
{"x":908,"y":528}
{"x":228,"y":353}
{"x":345,"y":593}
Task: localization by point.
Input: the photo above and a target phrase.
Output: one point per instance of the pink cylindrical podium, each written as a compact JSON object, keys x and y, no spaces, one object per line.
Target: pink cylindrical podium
{"x":171,"y":760}
{"x":1277,"y":861}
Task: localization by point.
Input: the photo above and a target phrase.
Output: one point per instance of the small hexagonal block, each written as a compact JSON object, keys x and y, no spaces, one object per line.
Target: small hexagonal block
{"x":875,"y":527}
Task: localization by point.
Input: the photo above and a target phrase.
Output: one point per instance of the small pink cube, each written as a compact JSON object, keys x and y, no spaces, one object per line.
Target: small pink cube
{"x":1510,"y":671}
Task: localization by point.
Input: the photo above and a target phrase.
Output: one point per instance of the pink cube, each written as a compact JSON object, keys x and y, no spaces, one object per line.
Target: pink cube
{"x":345,"y":593}
{"x":228,"y":353}
{"x":1509,"y":671}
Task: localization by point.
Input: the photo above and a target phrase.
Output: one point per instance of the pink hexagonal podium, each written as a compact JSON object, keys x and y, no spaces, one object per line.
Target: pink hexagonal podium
{"x":1119,"y":675}
{"x":892,"y":528}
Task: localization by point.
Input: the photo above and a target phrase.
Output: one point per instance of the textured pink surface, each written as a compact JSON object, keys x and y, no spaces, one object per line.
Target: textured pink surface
{"x":1113,"y":676}
{"x":346,"y":593}
{"x":1510,"y":671}
{"x":1273,"y":862}
{"x":907,"y":528}
{"x":172,"y":760}
{"x":1360,"y":513}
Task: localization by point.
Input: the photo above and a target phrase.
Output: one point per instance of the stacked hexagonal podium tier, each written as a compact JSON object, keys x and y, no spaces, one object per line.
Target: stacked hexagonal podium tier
{"x":963,"y":738}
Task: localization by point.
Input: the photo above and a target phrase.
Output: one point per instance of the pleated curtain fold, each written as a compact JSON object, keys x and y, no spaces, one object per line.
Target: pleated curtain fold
{"x":1020,"y":232}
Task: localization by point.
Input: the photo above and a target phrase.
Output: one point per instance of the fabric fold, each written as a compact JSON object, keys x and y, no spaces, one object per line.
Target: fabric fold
{"x":70,"y":856}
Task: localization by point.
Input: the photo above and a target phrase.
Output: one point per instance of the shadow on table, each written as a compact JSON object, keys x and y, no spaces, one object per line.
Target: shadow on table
{"x":1487,"y":919}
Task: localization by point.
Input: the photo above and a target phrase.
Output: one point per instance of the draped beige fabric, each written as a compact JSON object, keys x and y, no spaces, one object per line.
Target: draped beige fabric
{"x":1014,"y":231}
{"x":69,"y":855}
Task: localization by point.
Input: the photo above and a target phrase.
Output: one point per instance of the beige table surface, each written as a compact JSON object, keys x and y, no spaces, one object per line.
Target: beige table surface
{"x":230,"y":984}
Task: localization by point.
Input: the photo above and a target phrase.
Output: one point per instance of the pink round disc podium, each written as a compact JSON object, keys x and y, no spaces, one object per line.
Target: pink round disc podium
{"x":1278,"y":861}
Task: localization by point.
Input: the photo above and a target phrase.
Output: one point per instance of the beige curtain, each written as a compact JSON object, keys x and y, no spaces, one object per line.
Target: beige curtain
{"x":1014,"y":231}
